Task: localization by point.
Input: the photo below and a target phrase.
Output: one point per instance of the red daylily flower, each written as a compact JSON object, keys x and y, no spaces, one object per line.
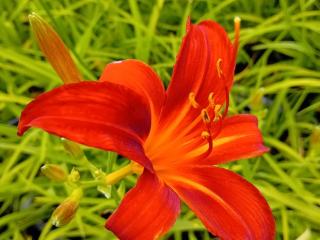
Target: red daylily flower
{"x":175,"y":135}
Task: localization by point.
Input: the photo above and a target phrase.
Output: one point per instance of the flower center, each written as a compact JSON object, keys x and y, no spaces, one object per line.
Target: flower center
{"x":207,"y":116}
{"x":210,"y":115}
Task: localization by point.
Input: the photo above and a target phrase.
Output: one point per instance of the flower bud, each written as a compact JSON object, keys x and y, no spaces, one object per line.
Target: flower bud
{"x":54,"y":172}
{"x":315,"y":137}
{"x":74,"y":176}
{"x":256,"y":100}
{"x":66,"y":211}
{"x":105,"y":190}
{"x":54,"y":49}
{"x":72,"y":148}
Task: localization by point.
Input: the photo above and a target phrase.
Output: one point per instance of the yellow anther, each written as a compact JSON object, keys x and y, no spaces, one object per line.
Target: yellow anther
{"x":217,"y":113}
{"x":205,"y":134}
{"x":211,"y":99}
{"x":217,"y":108}
{"x":192,"y":100}
{"x":217,"y":117}
{"x":205,"y":116}
{"x":219,"y":70}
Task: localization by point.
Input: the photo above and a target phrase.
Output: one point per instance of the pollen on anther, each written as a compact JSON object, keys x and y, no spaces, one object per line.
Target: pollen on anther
{"x":192,"y":100}
{"x":211,"y":99}
{"x":218,"y":65}
{"x":205,"y":134}
{"x":217,"y":112}
{"x":217,"y":108}
{"x":205,"y":116}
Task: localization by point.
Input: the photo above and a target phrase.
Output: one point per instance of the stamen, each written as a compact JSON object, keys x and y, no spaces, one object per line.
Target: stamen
{"x":205,"y":116}
{"x":205,"y":135}
{"x":217,"y":127}
{"x":217,"y":108}
{"x":237,"y":21}
{"x":226,"y":109}
{"x":211,"y":115}
{"x":218,"y":65}
{"x":211,"y":100}
{"x":192,"y":100}
{"x":217,"y":113}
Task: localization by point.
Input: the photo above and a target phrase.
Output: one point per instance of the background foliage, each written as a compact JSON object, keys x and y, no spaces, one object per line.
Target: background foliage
{"x":277,"y":79}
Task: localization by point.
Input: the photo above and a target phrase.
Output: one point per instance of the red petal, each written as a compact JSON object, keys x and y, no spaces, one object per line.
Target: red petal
{"x":229,"y":206}
{"x":102,"y":115}
{"x":146,"y":212}
{"x":239,"y":138}
{"x":219,"y":47}
{"x":196,"y":70}
{"x":140,"y":78}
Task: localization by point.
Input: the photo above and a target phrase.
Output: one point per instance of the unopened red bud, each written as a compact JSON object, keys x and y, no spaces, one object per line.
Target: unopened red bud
{"x":66,"y":211}
{"x":54,"y":49}
{"x":54,"y":172}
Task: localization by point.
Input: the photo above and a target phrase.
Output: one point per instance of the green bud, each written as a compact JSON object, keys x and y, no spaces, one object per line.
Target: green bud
{"x":315,"y":137}
{"x":66,"y":211}
{"x":105,"y":190}
{"x":74,"y":176}
{"x":72,"y":148}
{"x":54,"y":172}
{"x":256,"y":99}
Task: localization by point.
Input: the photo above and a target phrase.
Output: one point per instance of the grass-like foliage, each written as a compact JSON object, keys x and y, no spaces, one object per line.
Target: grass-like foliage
{"x":277,"y":79}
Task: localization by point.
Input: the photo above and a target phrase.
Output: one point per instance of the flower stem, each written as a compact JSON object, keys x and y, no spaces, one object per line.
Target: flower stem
{"x":116,"y":176}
